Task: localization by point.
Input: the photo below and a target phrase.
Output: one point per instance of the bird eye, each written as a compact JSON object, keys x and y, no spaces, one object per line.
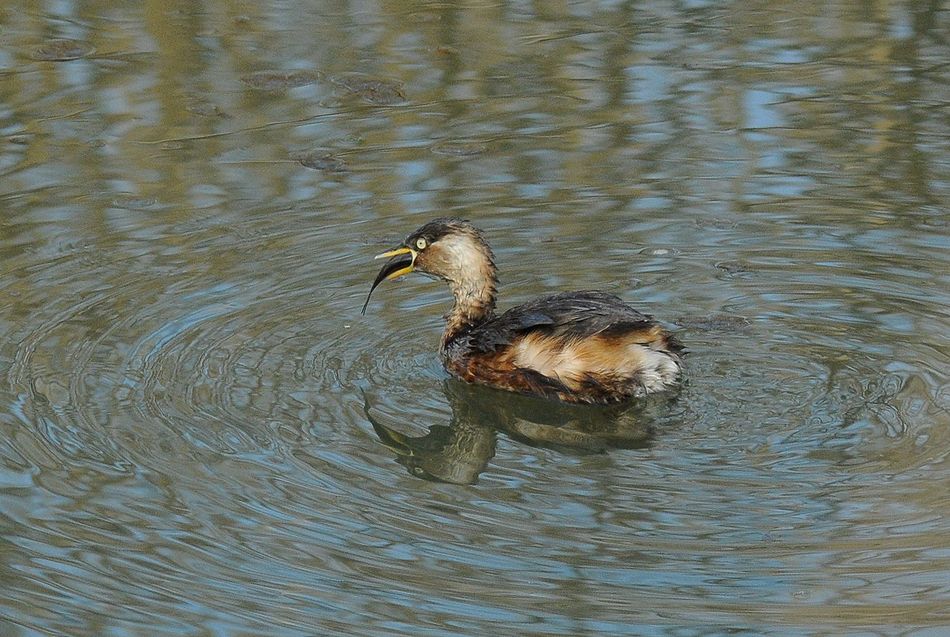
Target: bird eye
{"x":421,"y":243}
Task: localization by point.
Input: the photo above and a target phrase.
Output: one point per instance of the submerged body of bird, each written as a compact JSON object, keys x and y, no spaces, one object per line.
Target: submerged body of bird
{"x":578,"y":347}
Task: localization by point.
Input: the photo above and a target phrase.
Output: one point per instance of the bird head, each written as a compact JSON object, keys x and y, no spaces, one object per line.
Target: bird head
{"x":447,"y":248}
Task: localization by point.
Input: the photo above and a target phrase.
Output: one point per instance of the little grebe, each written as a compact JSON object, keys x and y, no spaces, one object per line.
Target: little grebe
{"x":579,"y":347}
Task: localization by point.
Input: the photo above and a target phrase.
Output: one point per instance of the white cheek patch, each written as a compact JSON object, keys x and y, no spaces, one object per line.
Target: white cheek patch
{"x":460,"y":255}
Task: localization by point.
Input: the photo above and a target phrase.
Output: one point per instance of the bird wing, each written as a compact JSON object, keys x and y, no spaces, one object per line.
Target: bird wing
{"x":568,"y":315}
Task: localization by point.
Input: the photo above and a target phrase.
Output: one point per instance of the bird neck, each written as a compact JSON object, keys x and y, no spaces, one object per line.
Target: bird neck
{"x":474,"y":301}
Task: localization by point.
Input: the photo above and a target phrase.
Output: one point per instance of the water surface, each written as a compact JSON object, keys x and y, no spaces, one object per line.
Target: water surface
{"x":200,"y":435}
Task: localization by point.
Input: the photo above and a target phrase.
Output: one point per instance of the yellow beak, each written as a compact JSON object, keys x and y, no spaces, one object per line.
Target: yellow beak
{"x":395,"y":274}
{"x":398,"y":265}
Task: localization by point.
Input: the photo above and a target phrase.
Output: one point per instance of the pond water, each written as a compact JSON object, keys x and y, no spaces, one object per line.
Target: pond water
{"x":200,"y":435}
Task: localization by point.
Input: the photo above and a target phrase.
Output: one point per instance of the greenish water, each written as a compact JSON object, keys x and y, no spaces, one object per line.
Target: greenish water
{"x":200,"y":435}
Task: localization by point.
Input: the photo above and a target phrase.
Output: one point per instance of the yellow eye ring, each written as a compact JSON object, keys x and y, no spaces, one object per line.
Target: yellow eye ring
{"x":421,"y":243}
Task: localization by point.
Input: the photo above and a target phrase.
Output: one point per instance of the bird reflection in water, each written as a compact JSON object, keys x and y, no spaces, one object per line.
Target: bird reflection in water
{"x":460,"y":451}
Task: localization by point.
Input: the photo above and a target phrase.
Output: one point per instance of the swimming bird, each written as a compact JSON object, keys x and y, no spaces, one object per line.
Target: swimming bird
{"x":577,"y":347}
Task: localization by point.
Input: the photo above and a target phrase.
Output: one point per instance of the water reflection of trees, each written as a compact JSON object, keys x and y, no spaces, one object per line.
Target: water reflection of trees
{"x":594,"y":106}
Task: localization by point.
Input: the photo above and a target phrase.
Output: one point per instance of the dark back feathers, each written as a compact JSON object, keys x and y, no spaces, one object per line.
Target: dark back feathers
{"x":569,"y":315}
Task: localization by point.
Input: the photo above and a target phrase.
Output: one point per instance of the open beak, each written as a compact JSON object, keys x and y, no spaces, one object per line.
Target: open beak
{"x":401,"y":261}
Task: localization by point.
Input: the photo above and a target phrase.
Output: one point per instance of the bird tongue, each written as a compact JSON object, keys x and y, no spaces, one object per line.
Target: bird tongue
{"x":396,"y":263}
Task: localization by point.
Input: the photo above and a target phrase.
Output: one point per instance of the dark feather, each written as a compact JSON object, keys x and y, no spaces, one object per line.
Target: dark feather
{"x":568,"y":315}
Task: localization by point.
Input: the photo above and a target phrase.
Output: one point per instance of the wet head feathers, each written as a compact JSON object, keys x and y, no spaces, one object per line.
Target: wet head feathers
{"x":454,"y":250}
{"x":440,"y":227}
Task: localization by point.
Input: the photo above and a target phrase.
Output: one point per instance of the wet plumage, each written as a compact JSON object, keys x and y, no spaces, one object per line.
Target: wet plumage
{"x":579,"y":347}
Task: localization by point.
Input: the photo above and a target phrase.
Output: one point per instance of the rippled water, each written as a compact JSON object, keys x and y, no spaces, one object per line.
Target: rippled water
{"x":200,"y":435}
